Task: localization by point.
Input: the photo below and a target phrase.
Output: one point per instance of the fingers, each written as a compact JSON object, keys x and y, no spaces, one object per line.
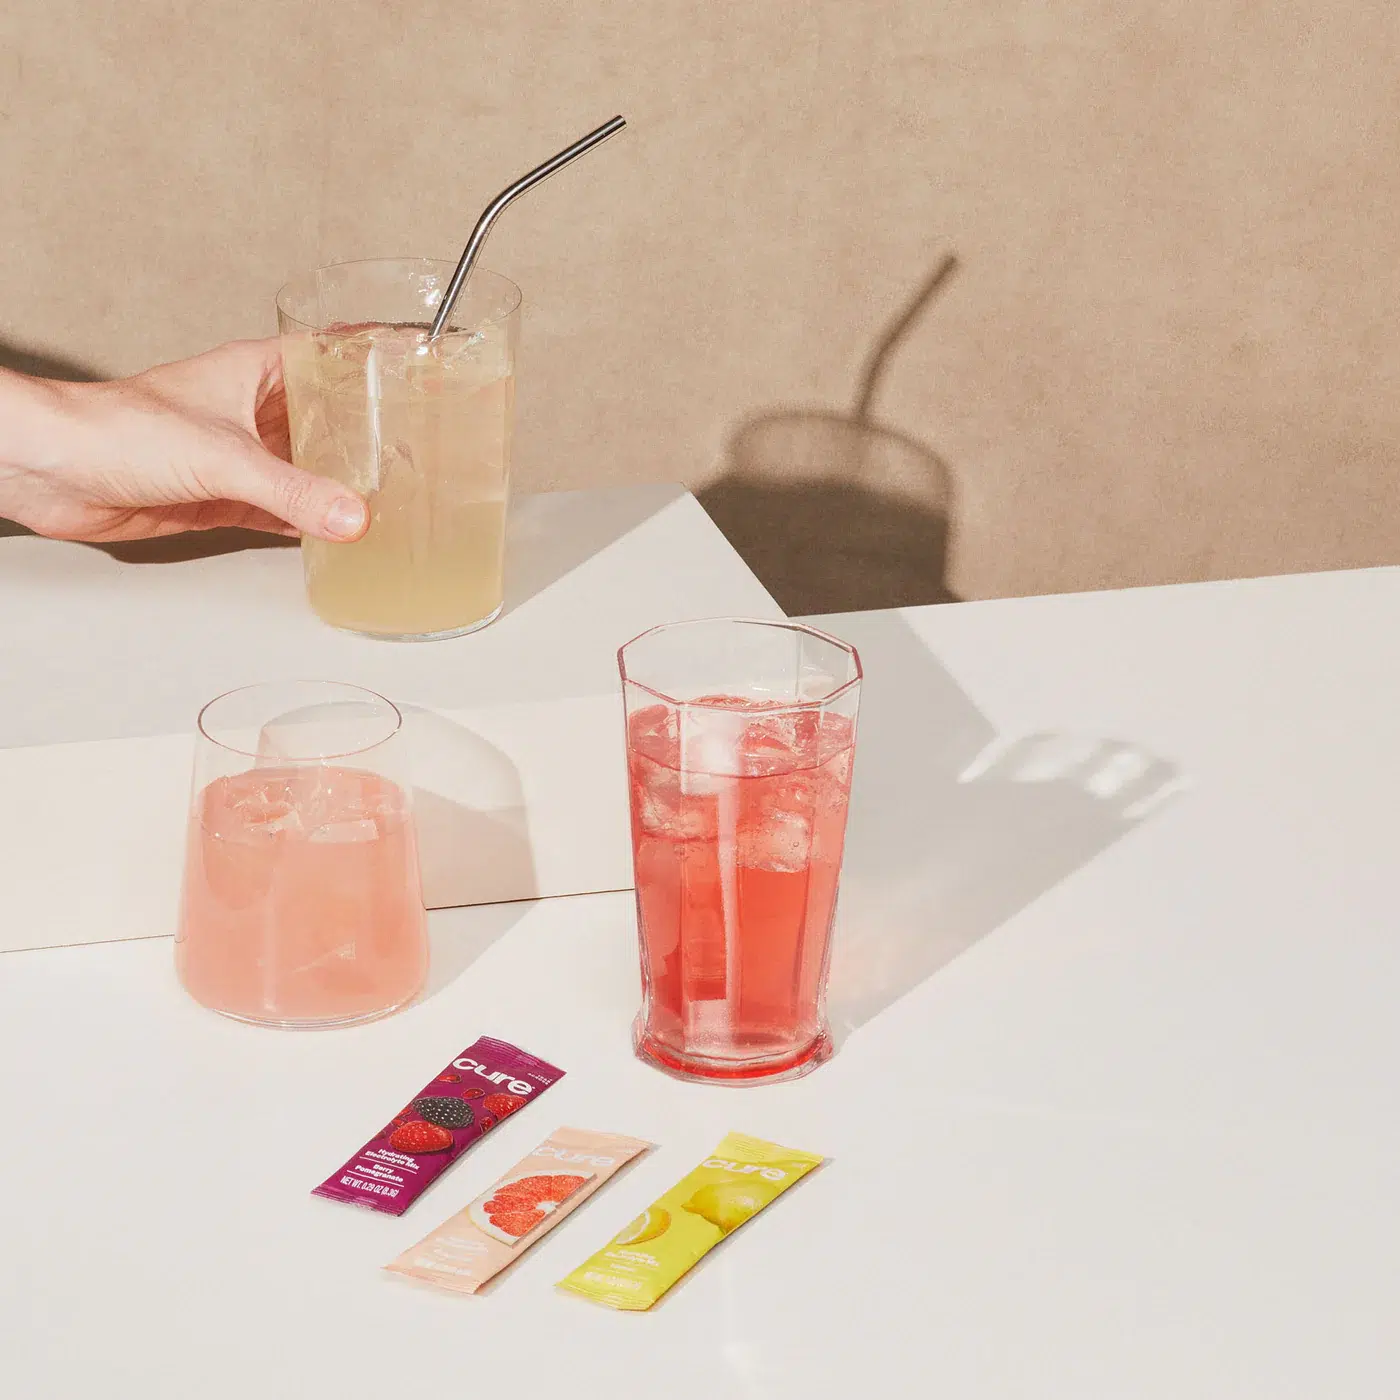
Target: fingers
{"x":218,"y":515}
{"x":310,"y":505}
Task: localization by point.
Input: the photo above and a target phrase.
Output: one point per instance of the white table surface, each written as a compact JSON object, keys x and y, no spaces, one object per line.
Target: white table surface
{"x":513,"y":734}
{"x":1113,"y":1112}
{"x":94,"y":648}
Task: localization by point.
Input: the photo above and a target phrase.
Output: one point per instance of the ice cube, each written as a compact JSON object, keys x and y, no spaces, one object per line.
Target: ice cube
{"x":290,"y":820}
{"x":311,"y":428}
{"x":711,"y":751}
{"x":266,"y":811}
{"x":665,"y":808}
{"x":782,"y":742}
{"x":394,"y":457}
{"x":456,"y":346}
{"x":343,"y":833}
{"x":775,"y":838}
{"x":654,"y":731}
{"x":656,"y":806}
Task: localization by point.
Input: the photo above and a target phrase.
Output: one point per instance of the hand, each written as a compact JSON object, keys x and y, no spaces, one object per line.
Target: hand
{"x":193,"y":445}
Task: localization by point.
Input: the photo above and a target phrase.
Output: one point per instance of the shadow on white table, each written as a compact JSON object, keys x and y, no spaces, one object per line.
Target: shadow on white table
{"x":515,"y":731}
{"x":477,"y":854}
{"x":954,"y":829}
{"x":561,"y":531}
{"x":456,"y":946}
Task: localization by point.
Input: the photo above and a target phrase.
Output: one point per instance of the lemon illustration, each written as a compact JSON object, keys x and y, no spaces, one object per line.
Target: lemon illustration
{"x":647,"y":1226}
{"x":725,"y":1204}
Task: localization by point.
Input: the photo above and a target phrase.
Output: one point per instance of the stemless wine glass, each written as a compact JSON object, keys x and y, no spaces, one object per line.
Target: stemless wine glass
{"x":740,"y":739}
{"x":302,"y":903}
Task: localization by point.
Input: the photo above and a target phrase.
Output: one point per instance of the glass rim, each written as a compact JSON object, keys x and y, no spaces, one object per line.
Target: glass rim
{"x":779,"y":624}
{"x":364,"y":693}
{"x":447,"y":263}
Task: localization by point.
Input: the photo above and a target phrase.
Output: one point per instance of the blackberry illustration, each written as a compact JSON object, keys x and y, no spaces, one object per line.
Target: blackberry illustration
{"x":444,"y":1112}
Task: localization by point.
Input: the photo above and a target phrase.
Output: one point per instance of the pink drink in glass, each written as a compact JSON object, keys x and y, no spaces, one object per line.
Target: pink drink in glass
{"x":289,"y":923}
{"x":302,"y":902}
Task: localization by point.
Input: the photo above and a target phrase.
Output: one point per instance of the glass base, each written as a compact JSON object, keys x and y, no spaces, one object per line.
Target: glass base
{"x":700,"y":1069}
{"x":330,"y":1023}
{"x":423,"y":636}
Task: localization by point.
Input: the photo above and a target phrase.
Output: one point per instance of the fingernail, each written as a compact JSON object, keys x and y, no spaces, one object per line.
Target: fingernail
{"x":345,"y":518}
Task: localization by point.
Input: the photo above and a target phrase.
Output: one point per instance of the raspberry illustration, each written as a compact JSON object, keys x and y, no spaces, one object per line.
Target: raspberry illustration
{"x":445,"y":1112}
{"x":502,"y":1104}
{"x":487,"y":1122}
{"x":416,"y":1138}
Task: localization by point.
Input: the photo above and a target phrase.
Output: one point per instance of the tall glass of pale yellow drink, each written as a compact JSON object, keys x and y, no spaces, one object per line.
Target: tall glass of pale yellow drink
{"x":421,"y":428}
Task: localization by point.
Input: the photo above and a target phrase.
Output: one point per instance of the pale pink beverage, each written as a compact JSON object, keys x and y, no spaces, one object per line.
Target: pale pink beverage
{"x":287,"y":921}
{"x":302,"y":902}
{"x":738,"y":821}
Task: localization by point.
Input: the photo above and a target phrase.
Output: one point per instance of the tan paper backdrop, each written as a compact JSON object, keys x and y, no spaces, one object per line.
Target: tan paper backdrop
{"x":1169,"y":349}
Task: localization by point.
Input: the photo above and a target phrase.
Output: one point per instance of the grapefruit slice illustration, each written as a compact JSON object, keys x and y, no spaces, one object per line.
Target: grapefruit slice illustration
{"x":514,"y":1207}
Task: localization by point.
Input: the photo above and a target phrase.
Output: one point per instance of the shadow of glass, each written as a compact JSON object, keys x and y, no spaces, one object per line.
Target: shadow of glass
{"x":469,"y":808}
{"x":550,"y":535}
{"x":459,"y":937}
{"x":835,"y":515}
{"x":952,"y":831}
{"x":834,"y":512}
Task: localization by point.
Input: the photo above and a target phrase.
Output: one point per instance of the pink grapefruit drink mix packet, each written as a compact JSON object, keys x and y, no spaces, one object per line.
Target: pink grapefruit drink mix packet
{"x":487,"y":1082}
{"x":492,"y":1232}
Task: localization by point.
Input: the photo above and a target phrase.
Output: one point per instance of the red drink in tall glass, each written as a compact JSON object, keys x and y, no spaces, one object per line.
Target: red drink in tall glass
{"x":738,"y":820}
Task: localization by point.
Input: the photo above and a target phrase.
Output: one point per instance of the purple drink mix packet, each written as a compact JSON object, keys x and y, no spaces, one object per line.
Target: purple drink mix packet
{"x":488,"y":1081}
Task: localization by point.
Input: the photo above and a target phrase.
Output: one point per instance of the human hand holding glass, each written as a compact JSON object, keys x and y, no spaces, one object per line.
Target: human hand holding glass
{"x":193,"y":445}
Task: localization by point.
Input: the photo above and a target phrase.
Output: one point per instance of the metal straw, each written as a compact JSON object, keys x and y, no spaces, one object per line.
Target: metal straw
{"x":483,"y":225}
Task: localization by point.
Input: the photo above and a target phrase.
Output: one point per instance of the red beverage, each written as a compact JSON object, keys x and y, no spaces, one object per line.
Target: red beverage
{"x":738,"y":820}
{"x":301,"y":901}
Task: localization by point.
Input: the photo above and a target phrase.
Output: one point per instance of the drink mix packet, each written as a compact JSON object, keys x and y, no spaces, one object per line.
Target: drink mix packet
{"x":487,"y":1082}
{"x":673,"y":1235}
{"x":523,"y":1206}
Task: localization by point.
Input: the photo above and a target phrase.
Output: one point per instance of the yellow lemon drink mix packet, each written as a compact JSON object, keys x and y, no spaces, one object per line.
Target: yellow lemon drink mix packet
{"x":670,"y":1237}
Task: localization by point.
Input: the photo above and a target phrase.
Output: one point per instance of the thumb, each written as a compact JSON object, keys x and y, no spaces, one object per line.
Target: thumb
{"x":315,"y":505}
